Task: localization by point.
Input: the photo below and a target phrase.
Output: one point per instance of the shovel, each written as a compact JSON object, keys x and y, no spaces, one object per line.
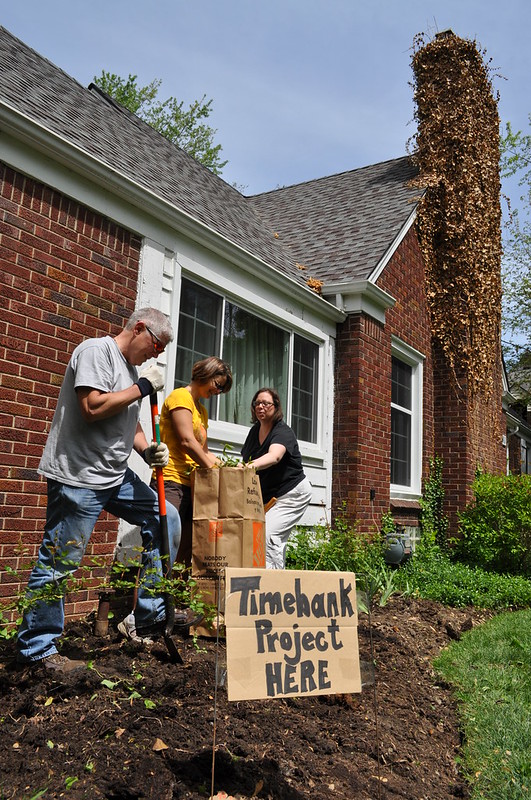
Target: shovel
{"x":165,"y":542}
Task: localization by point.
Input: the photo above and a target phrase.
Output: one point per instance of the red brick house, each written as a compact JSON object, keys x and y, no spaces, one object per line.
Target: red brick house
{"x":518,"y":412}
{"x":317,"y":289}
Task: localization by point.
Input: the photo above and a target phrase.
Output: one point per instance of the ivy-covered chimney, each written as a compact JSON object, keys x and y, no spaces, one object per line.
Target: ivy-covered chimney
{"x":456,"y":149}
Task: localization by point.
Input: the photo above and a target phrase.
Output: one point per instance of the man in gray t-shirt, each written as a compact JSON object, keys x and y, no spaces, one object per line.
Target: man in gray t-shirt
{"x":94,"y":430}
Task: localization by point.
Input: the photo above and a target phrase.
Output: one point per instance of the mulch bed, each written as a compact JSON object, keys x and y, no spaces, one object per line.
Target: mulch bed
{"x":136,"y":725}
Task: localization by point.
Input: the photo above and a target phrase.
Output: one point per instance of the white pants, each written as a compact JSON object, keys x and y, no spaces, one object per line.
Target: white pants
{"x":280,"y":521}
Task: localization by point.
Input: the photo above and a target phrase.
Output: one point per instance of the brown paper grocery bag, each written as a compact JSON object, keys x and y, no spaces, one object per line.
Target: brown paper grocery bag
{"x":228,"y":530}
{"x":205,"y":492}
{"x":228,"y":520}
{"x":240,"y":495}
{"x":220,"y":543}
{"x":227,"y":492}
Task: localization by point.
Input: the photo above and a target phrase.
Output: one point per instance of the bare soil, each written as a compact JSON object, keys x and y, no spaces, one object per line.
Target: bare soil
{"x":136,"y":725}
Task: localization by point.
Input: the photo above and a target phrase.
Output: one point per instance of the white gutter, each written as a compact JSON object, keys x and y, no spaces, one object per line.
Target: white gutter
{"x":360,"y":296}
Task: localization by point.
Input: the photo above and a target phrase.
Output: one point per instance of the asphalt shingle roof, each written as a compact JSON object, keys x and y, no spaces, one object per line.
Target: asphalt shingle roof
{"x":84,"y":117}
{"x":340,"y":227}
{"x":337,"y":227}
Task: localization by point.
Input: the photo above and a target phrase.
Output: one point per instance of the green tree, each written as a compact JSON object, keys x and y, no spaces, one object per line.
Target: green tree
{"x":184,"y":127}
{"x":516,"y":163}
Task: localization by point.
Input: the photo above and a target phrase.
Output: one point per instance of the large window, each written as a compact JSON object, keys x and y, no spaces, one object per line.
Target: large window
{"x":259,"y":352}
{"x":406,"y":420}
{"x":401,"y":410}
{"x":199,"y":329}
{"x":525,"y":457}
{"x":304,"y":409}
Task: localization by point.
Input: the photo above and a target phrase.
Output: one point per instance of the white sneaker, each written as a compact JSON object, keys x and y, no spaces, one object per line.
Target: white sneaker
{"x":127,"y":627}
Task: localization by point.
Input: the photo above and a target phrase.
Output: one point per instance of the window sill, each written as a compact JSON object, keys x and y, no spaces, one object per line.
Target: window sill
{"x":397,"y":504}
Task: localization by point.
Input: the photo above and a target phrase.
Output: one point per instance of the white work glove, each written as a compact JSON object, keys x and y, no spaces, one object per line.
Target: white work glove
{"x":151,"y":380}
{"x":157,"y":455}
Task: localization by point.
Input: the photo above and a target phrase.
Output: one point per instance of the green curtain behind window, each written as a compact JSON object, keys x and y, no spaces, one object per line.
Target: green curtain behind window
{"x":259,"y":356}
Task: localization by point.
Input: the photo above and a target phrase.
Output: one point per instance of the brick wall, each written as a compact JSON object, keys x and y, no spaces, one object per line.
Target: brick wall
{"x":404,"y":279}
{"x":66,"y":274}
{"x":468,"y":435}
{"x":362,"y":421}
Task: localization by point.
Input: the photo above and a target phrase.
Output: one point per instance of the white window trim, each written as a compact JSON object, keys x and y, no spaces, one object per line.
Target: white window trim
{"x":220,"y":430}
{"x":415,"y":359}
{"x":525,"y":456}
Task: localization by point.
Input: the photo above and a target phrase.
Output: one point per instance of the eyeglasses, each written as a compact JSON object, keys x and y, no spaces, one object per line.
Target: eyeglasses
{"x":158,"y":346}
{"x":219,"y":386}
{"x":264,"y":403}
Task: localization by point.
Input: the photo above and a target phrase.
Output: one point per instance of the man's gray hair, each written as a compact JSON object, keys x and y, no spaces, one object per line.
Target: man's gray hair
{"x":154,"y":319}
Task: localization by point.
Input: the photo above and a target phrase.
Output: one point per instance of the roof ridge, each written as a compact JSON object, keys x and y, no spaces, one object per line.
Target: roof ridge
{"x":25,"y":46}
{"x":405,"y":157}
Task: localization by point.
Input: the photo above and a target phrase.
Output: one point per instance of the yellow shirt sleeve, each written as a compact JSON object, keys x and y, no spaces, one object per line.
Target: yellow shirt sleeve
{"x":180,"y":465}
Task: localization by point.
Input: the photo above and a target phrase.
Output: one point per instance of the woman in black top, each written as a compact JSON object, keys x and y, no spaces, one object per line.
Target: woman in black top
{"x":272,"y":448}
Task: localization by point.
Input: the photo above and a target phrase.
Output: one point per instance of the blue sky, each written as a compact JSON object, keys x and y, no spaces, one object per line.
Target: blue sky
{"x":300,"y":88}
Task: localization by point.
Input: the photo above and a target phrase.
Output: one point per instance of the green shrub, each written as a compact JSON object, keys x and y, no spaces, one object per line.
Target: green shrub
{"x":123,"y":579}
{"x":495,"y":529}
{"x":340,"y":547}
{"x":432,"y":574}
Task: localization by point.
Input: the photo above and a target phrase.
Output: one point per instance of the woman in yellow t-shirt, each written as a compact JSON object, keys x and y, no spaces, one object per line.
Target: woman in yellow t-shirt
{"x":183,"y":427}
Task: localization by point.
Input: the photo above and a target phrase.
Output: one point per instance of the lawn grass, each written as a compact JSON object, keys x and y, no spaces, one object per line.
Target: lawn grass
{"x":490,"y":668}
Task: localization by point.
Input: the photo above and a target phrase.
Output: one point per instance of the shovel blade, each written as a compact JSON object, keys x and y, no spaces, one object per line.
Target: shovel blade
{"x":175,"y":656}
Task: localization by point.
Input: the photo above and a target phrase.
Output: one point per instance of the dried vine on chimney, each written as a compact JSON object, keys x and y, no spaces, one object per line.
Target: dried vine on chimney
{"x":456,"y":149}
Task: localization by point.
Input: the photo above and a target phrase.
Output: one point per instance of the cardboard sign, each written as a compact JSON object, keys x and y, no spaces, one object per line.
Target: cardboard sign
{"x":290,"y":632}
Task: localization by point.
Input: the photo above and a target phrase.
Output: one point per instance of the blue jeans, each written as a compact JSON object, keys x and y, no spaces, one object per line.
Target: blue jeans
{"x":70,"y":519}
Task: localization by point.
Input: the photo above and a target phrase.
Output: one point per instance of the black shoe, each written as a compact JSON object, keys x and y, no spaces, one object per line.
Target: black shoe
{"x":185,"y":618}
